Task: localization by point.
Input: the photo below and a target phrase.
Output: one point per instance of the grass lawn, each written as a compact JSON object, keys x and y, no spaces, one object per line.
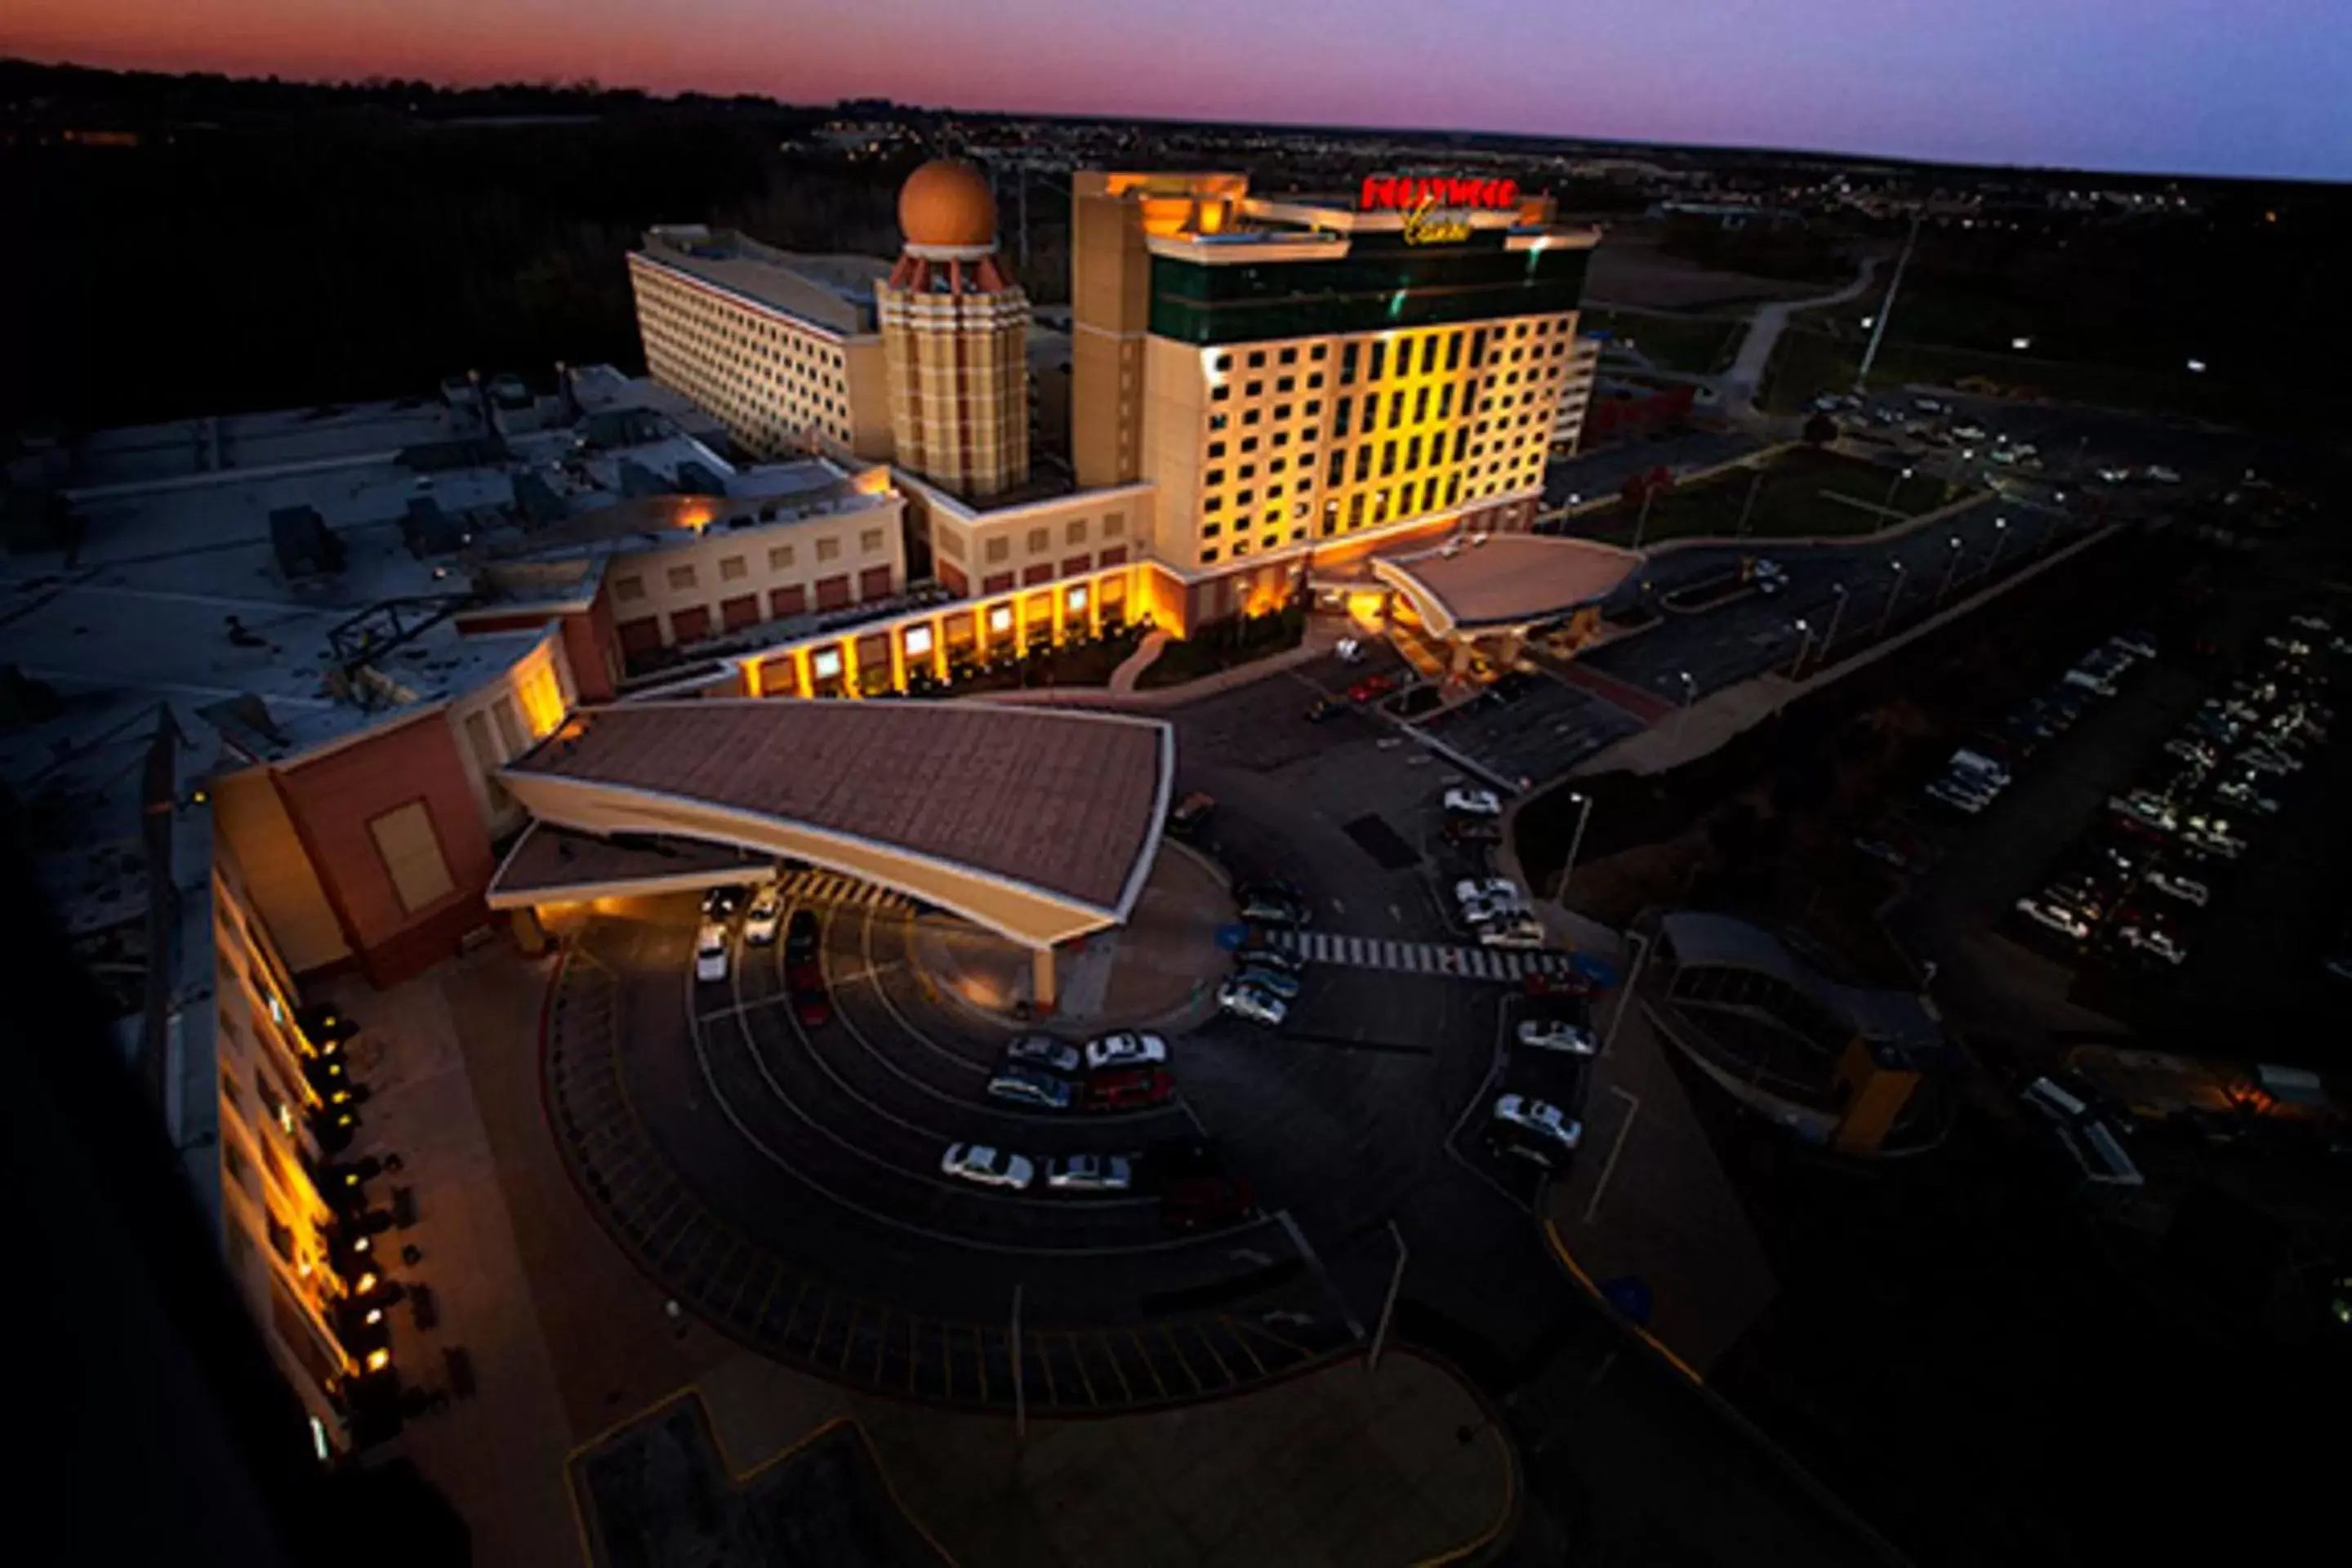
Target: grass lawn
{"x":1698,"y":345}
{"x":1804,"y":492}
{"x":1807,"y":363}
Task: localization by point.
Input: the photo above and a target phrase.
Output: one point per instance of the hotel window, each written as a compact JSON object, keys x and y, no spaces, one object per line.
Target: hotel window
{"x":1243,"y":498}
{"x":1113,"y":524}
{"x":870,"y":542}
{"x":1429,"y":493}
{"x":1478,"y":348}
{"x":1077,"y":532}
{"x":1289,"y":356}
{"x":1348,"y":365}
{"x":1429,"y":354}
{"x":1331,"y":518}
{"x":1316,"y":353}
{"x":1219,"y":394}
{"x":828,"y":549}
{"x":628,"y":588}
{"x":411,"y":854}
{"x":1216,"y":450}
{"x":730,"y":567}
{"x":1214,"y":478}
{"x":1454,"y":488}
{"x":1445,"y":400}
{"x":1255,"y":388}
{"x":681,"y":577}
{"x":1336,"y":469}
{"x":1241,"y":547}
{"x":1247,"y":470}
{"x":1281,"y":411}
{"x":1249,"y":416}
{"x":1388,"y":458}
{"x":1212,"y":530}
{"x":997,"y":548}
{"x":1340,"y":418}
{"x":1282,"y":437}
{"x":1363,"y":462}
{"x":1208,"y":558}
{"x":1041,"y":540}
{"x":1413,"y":453}
{"x":1314,"y":406}
{"x":1249,"y":443}
{"x":1379,"y":359}
{"x":1421,"y":402}
{"x":1272,"y":491}
{"x":1396,"y":408}
{"x":1224,"y":362}
{"x":1356,"y":510}
{"x":1214,"y":503}
{"x":1286,"y":384}
{"x":1277,"y":465}
{"x":1454,"y":350}
{"x":1314,"y":381}
{"x":1257,"y":359}
{"x":1461,"y":436}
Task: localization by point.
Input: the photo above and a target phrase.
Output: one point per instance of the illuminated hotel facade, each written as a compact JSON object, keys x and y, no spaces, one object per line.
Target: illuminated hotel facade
{"x":1265,"y":391}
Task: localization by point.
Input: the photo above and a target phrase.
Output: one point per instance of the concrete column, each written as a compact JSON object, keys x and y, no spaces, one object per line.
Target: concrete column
{"x":528,"y":934}
{"x":1461,"y":658}
{"x":1042,"y":992}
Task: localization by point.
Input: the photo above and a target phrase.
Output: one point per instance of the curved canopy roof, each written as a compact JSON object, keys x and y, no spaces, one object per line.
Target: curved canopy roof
{"x":1510,"y":580}
{"x":1039,"y":823}
{"x":1897,"y":1017}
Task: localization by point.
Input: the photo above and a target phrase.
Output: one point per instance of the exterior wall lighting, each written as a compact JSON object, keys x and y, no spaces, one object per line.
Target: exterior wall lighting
{"x":918,"y":641}
{"x":826,"y":663}
{"x":378,"y":1359}
{"x":1000,"y":617}
{"x":1077,"y":601}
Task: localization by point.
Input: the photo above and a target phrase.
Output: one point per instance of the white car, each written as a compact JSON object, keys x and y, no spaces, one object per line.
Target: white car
{"x":2195,"y":754}
{"x":1474,"y":803}
{"x":2155,"y":944}
{"x":1498,"y":891}
{"x":2238,"y":792}
{"x":1970,"y":432}
{"x":1557,"y":1034}
{"x":2065,"y":921}
{"x":1247,"y":1001}
{"x":766,"y":914}
{"x":987,"y":1167}
{"x":1768,"y":577}
{"x":2263,"y":759}
{"x":2311,"y":624}
{"x":1535,"y":1128}
{"x":1349,"y":650}
{"x":1090,"y":1173}
{"x":2214,"y":842}
{"x":710,"y":951}
{"x":1518,"y":930}
{"x":2115,"y":476}
{"x":2188,"y":889}
{"x":2161,"y":474}
{"x":2144,"y":806}
{"x":1125,"y":1050}
{"x":1959,"y":796}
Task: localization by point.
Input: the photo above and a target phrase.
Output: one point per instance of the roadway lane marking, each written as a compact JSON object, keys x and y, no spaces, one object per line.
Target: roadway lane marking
{"x":1400,"y":957}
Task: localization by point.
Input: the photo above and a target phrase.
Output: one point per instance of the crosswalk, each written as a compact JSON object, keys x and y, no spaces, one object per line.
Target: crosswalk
{"x":820,"y":886}
{"x":1501,"y":965}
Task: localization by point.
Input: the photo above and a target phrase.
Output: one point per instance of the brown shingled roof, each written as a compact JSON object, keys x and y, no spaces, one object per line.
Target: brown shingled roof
{"x":1061,"y":801}
{"x":1514,"y":578}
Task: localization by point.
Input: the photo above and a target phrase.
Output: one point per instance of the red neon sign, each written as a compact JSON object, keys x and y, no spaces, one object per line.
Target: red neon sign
{"x":1404,"y":192}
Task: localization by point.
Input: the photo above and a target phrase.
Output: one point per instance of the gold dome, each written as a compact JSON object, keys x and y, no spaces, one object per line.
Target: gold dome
{"x":947,"y":203}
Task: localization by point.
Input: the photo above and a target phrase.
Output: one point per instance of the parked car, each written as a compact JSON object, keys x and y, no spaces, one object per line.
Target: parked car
{"x":1958,"y":795}
{"x":2145,"y":806}
{"x":988,"y":1167}
{"x":722,"y":903}
{"x":1129,"y":1089}
{"x":1127,"y":1048}
{"x":2152,"y":941}
{"x":2065,"y":921}
{"x":710,"y":951}
{"x":1090,"y":1173}
{"x":1557,"y":1034}
{"x":1247,"y":1001}
{"x":800,"y":938}
{"x":1474,"y":830}
{"x":1768,"y":577}
{"x":1273,"y":982}
{"x":2172,"y":885}
{"x":1027,"y":1086}
{"x":1260,"y":955}
{"x":1556,"y":983}
{"x":767,"y":913}
{"x":1044,"y":1053}
{"x":1323,"y":708}
{"x":1473,"y":802}
{"x":1499,"y":891}
{"x":2136,"y":642}
{"x":1534,"y":1128}
{"x":1269,"y":903}
{"x":1190,"y":815}
{"x":812,"y":1008}
{"x":1520,"y":931}
{"x":1371,"y":689}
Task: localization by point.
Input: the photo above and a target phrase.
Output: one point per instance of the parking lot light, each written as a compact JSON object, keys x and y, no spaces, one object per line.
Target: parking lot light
{"x":1951,"y":573}
{"x":1804,"y":630}
{"x":2021,"y":344}
{"x":1894,"y":592}
{"x":1829,"y":638}
{"x":2000,"y":538}
{"x":2197,"y":367}
{"x":1575,"y":842}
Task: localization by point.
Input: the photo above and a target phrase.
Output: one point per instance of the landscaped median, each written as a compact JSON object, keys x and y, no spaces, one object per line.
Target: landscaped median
{"x":1795,"y":492}
{"x":1221,"y":645}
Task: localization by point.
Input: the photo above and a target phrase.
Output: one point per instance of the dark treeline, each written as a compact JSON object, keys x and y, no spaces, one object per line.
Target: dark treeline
{"x":197,"y":244}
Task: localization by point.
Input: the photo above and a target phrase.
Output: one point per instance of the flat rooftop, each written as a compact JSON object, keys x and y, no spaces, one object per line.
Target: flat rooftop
{"x":1510,"y":580}
{"x":1064,"y":802}
{"x":832,"y":291}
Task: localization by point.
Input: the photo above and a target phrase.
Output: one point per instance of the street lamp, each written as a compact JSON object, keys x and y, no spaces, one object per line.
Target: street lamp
{"x":2021,"y":344}
{"x":1805,"y":647}
{"x":1829,"y":638}
{"x":1575,"y":842}
{"x":2000,"y":538}
{"x":1889,"y":505}
{"x":1690,"y":694}
{"x":1952,"y":573}
{"x":2197,"y":367}
{"x":1893,"y":593}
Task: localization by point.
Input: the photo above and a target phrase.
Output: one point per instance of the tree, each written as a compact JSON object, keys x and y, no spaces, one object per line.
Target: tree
{"x":1821,"y":430}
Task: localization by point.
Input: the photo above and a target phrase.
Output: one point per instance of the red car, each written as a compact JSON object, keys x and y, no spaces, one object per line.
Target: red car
{"x":1201,"y":1203}
{"x":1129,"y":1089}
{"x":1552,"y":982}
{"x":810,"y":1004}
{"x":1372,"y":687}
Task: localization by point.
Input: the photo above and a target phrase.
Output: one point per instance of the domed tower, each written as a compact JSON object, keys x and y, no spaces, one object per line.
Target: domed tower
{"x":955,"y":332}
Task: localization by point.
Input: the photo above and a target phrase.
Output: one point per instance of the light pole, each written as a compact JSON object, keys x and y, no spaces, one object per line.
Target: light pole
{"x":1894,"y":592}
{"x":1829,"y":638}
{"x":1887,"y":309}
{"x":1388,"y":1306}
{"x":1888,"y":504}
{"x":1749,"y":504}
{"x":1951,"y":573}
{"x":2000,"y":538}
{"x":1575,"y":842}
{"x":1633,"y":979}
{"x":1690,"y":694}
{"x":1796,"y":665}
{"x":1641,"y":523}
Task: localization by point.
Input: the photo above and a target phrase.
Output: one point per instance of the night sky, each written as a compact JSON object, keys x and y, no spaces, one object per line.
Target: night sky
{"x":2224,"y":87}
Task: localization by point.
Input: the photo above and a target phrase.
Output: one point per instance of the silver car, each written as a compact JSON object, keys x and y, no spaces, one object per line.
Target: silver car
{"x":1090,"y":1173}
{"x":1125,"y":1050}
{"x":1535,"y":1128}
{"x":987,"y":1167}
{"x":1043,"y":1051}
{"x":1556,"y":1035}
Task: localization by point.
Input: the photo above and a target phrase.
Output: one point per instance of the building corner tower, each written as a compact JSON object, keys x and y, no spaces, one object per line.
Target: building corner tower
{"x":954,"y":338}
